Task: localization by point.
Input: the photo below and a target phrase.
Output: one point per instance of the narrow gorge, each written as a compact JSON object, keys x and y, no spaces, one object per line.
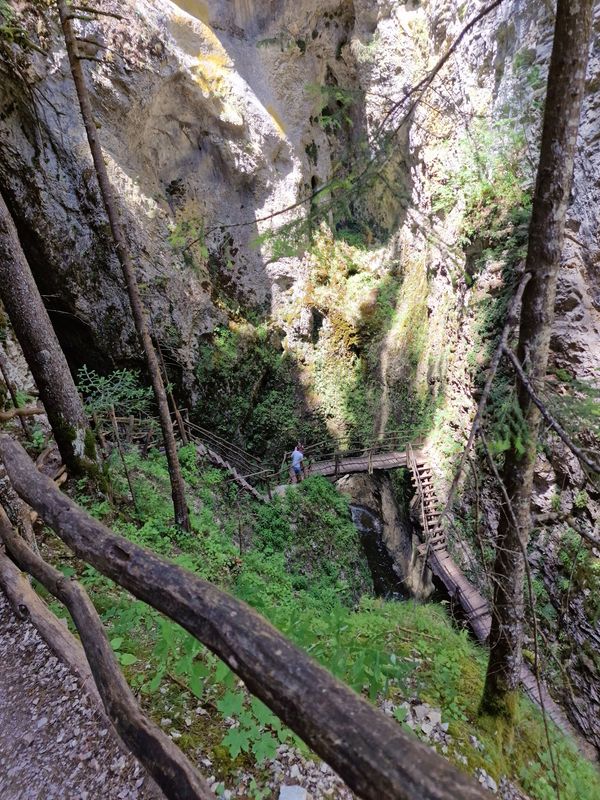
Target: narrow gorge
{"x":327,"y":206}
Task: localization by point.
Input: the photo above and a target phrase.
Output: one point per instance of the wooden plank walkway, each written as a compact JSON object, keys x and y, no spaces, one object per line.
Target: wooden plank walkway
{"x":475,"y":606}
{"x":366,"y":463}
{"x":473,"y":603}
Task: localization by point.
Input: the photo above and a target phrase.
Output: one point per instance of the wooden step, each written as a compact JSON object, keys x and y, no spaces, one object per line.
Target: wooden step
{"x":435,"y":541}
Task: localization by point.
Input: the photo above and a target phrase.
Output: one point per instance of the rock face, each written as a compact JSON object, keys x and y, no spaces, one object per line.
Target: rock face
{"x":219,"y":114}
{"x":375,"y":492}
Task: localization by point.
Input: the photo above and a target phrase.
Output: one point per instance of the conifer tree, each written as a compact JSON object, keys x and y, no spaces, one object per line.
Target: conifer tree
{"x":127,"y":266}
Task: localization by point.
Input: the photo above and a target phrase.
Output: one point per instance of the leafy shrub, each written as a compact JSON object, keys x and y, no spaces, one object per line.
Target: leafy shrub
{"x":120,"y":389}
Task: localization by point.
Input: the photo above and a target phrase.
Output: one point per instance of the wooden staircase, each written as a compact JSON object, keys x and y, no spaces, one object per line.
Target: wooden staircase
{"x":425,"y":505}
{"x":435,"y":549}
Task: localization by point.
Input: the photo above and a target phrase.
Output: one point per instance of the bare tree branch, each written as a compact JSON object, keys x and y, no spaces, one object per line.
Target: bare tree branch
{"x":556,"y":426}
{"x":90,"y":10}
{"x":541,"y":519}
{"x":27,"y":411}
{"x":420,"y":88}
{"x":4,"y":372}
{"x":511,"y":321}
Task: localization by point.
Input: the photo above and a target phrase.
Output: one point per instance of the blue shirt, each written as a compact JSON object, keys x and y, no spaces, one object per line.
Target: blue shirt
{"x":297,"y":457}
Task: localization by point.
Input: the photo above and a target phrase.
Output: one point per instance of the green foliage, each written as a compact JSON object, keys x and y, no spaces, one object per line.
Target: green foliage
{"x":187,"y":237}
{"x":581,"y":499}
{"x":120,"y":389}
{"x":333,"y":105}
{"x":576,"y":404}
{"x":580,"y":573}
{"x":38,"y":437}
{"x":492,"y":183}
{"x":293,"y":551}
{"x":11,"y":31}
{"x":491,"y":173}
{"x":245,"y":367}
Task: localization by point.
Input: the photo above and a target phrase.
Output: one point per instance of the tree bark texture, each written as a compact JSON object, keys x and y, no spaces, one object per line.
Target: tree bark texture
{"x":367,"y":749}
{"x":46,"y":360}
{"x":566,"y":84}
{"x":172,"y":771}
{"x":122,"y":250}
{"x":15,"y":509}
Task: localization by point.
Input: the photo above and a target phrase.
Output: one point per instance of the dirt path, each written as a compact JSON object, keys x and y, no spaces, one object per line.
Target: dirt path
{"x":53,"y":743}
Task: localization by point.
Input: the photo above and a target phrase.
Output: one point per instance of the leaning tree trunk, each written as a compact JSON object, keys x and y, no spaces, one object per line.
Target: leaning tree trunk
{"x":566,"y":83}
{"x":48,"y":365}
{"x":137,"y":308}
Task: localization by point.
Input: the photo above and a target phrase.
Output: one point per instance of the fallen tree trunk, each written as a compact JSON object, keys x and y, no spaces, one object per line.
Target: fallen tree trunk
{"x":160,"y":756}
{"x":28,"y":411}
{"x":368,"y":750}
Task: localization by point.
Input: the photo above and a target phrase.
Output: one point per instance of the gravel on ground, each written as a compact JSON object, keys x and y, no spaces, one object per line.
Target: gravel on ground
{"x":54,"y":743}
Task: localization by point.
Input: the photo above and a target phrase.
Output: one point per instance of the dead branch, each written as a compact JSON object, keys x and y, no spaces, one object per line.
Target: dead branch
{"x":541,"y":519}
{"x":426,"y":81}
{"x":90,"y":10}
{"x":369,"y":751}
{"x":115,"y":428}
{"x":556,"y":426}
{"x":4,"y":372}
{"x":27,"y":411}
{"x":418,"y":89}
{"x":511,"y":321}
{"x":154,"y":749}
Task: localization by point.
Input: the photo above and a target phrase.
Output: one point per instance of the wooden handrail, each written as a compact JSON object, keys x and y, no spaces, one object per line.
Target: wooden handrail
{"x":367,"y":749}
{"x":152,"y":747}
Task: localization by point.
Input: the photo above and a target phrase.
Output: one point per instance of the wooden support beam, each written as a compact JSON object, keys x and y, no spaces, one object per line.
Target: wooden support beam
{"x":27,"y":411}
{"x":371,"y":752}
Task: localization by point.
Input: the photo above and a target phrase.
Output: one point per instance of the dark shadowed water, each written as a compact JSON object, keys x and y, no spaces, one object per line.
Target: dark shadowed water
{"x":385,"y":581}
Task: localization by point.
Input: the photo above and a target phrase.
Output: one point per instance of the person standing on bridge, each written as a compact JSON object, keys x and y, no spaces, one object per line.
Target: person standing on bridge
{"x":298,"y":470}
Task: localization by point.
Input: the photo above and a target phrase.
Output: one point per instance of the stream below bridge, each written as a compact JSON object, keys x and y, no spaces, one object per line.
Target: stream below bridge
{"x":386,"y":582}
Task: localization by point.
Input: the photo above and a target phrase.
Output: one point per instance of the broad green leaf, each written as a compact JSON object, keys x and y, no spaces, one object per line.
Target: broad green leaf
{"x":155,"y":682}
{"x":263,"y":713}
{"x":264,"y":747}
{"x":236,"y":740}
{"x":231,"y":704}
